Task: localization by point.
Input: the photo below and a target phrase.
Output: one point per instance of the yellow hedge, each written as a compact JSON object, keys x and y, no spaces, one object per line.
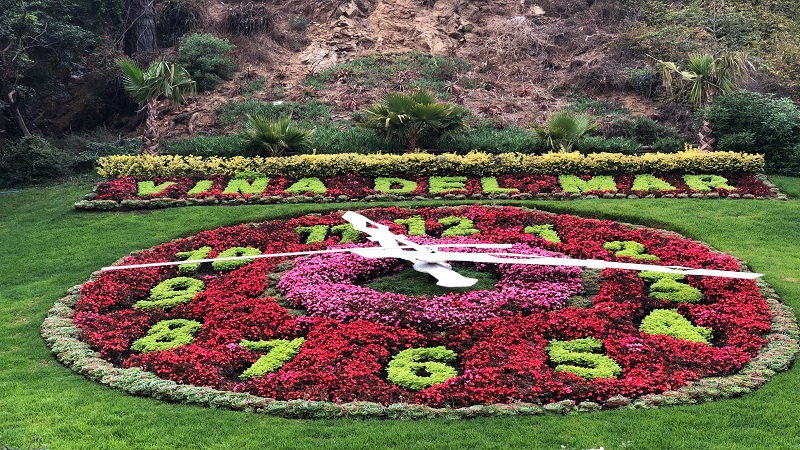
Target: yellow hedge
{"x":424,"y":164}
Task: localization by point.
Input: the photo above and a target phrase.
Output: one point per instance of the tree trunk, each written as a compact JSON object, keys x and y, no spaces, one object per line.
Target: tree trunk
{"x":151,"y":133}
{"x":11,"y":98}
{"x":704,"y":135}
{"x":706,"y":141}
{"x":140,"y":26}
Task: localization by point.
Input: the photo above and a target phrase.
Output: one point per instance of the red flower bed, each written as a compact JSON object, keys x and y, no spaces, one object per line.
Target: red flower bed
{"x":504,"y":356}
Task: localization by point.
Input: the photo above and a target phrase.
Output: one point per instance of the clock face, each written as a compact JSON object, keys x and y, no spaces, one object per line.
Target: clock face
{"x":343,"y":328}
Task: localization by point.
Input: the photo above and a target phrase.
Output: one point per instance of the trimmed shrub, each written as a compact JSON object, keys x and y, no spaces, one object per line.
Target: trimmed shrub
{"x":667,"y":145}
{"x":424,"y":164}
{"x":204,"y":56}
{"x":641,"y":129}
{"x":331,"y":139}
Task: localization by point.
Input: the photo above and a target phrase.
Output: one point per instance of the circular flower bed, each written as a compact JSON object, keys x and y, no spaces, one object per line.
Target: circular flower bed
{"x":307,"y":337}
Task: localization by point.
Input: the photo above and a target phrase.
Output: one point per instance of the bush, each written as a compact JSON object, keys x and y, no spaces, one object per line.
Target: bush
{"x":204,"y":57}
{"x":308,"y":113}
{"x":176,"y":19}
{"x":565,"y":129}
{"x":32,"y":158}
{"x":274,"y":137}
{"x":85,"y":149}
{"x":644,"y":81}
{"x":486,"y":137}
{"x":599,"y":144}
{"x":415,"y":119}
{"x":668,"y":145}
{"x":641,"y":129}
{"x":762,"y":123}
{"x":328,"y":139}
{"x":206,"y":146}
{"x":424,"y":164}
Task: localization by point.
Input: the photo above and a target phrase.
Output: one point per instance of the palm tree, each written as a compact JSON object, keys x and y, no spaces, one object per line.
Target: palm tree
{"x":707,"y":76}
{"x":564,"y":129}
{"x":160,"y":80}
{"x":408,"y":117}
{"x":276,"y":137}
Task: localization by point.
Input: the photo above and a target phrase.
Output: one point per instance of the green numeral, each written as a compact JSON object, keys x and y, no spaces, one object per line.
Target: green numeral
{"x":670,"y":323}
{"x":236,"y":263}
{"x":279,"y":352}
{"x":314,"y":234}
{"x":171,"y":292}
{"x":666,"y":287}
{"x":168,"y":334}
{"x":188,"y":269}
{"x":415,"y":225}
{"x":347,"y":232}
{"x":146,"y":188}
{"x":579,"y":357}
{"x":631,"y":249}
{"x":544,"y":231}
{"x":459,"y":226}
{"x":418,"y":368}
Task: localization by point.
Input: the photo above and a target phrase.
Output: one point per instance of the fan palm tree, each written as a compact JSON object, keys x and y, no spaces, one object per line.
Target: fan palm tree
{"x":708,"y":75}
{"x":407,"y":117}
{"x":160,"y":80}
{"x":564,"y":129}
{"x":276,"y":137}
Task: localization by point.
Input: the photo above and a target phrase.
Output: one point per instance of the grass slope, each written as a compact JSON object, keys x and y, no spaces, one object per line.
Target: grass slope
{"x":47,"y":247}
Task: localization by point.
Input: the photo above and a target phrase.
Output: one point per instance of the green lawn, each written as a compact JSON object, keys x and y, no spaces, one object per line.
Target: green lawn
{"x":47,"y":248}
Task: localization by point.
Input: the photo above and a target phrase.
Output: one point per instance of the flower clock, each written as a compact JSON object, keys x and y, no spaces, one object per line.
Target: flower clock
{"x":338,"y":333}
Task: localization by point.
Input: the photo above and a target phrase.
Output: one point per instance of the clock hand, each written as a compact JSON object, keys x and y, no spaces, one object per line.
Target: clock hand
{"x":366,"y":253}
{"x":424,"y":258}
{"x":521,"y":258}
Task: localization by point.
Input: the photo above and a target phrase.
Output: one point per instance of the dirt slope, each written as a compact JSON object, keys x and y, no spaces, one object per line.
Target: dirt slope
{"x":523,"y":51}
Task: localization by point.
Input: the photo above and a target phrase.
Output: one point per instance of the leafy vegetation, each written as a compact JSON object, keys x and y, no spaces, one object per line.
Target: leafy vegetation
{"x":565,"y":129}
{"x":414,"y":119}
{"x":160,"y":79}
{"x":205,"y":58}
{"x":32,"y":158}
{"x":33,"y":36}
{"x":310,"y":113}
{"x":708,"y":76}
{"x":274,"y":138}
{"x":753,"y":122}
{"x":395,"y":72}
{"x":768,"y":30}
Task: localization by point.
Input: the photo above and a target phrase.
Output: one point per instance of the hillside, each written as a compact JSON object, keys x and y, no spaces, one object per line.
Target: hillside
{"x":511,"y":62}
{"x":526,"y":59}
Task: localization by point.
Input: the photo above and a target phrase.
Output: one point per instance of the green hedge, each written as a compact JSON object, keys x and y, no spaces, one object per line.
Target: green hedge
{"x":424,"y":164}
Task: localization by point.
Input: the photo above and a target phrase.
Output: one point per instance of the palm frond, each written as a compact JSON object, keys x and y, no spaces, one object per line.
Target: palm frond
{"x":275,"y":137}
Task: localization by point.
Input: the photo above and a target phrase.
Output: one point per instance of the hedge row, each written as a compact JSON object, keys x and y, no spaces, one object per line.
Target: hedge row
{"x":424,"y":164}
